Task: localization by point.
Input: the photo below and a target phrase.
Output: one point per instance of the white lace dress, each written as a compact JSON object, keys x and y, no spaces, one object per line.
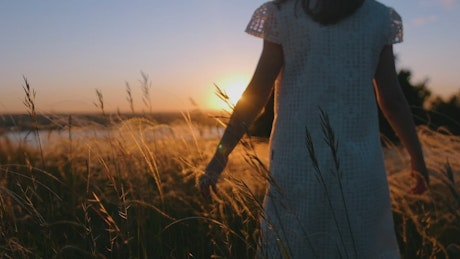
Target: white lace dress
{"x":320,"y":205}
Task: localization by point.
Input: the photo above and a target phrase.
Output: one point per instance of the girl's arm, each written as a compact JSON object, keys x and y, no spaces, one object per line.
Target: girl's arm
{"x":245,"y":111}
{"x":396,"y":110}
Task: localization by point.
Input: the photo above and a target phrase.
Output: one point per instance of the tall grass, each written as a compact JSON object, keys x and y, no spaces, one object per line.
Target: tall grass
{"x":333,"y":144}
{"x":29,"y":103}
{"x":132,"y":194}
{"x":427,"y":225}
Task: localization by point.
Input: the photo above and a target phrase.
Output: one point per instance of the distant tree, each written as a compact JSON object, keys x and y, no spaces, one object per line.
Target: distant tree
{"x":446,"y":113}
{"x":450,"y":108}
{"x":416,"y":94}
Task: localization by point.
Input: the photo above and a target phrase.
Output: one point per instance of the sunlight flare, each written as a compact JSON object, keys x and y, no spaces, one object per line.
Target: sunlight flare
{"x":233,"y":87}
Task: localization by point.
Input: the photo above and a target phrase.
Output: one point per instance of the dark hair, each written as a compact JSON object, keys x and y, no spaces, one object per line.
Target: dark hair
{"x":327,"y":12}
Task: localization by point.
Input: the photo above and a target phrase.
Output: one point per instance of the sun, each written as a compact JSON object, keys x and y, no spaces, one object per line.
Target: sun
{"x":231,"y":86}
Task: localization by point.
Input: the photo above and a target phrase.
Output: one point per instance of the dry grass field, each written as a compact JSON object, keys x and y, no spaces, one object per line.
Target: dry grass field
{"x":131,"y":193}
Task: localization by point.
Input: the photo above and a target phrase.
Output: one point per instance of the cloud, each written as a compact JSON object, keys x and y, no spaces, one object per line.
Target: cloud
{"x":424,"y":20}
{"x":447,"y":3}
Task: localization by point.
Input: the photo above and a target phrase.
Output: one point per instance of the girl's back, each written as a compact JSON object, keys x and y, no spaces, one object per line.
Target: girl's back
{"x":329,"y":69}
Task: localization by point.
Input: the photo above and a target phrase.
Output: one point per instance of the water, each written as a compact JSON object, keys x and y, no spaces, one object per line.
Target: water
{"x":47,"y":137}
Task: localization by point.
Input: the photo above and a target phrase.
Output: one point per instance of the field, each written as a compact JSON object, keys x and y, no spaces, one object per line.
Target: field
{"x":131,"y":193}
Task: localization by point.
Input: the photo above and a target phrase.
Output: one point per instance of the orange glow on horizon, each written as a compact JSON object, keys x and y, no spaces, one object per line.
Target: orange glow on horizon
{"x":233,"y":87}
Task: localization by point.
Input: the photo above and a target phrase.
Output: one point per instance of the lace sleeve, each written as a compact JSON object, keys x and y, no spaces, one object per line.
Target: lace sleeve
{"x":264,"y":23}
{"x":396,"y":28}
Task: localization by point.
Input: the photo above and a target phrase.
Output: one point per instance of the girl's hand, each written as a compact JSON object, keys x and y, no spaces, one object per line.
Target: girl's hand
{"x":207,"y":183}
{"x":209,"y":179}
{"x":421,"y":182}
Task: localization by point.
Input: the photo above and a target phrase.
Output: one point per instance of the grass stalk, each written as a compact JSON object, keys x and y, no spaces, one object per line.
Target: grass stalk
{"x":100,"y":102}
{"x":333,"y":144}
{"x":322,"y":181}
{"x":29,"y":102}
{"x":146,"y":85}
{"x":129,"y":97}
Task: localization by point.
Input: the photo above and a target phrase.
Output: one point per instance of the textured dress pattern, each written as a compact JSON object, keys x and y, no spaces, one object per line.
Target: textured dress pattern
{"x":336,"y":203}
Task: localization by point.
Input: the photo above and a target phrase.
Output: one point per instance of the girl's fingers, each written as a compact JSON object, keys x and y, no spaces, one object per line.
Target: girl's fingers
{"x":421,"y":182}
{"x":419,"y":189}
{"x":207,"y":184}
{"x":214,"y":188}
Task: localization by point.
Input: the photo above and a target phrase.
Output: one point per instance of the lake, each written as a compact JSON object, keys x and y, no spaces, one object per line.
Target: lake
{"x":158,"y":132}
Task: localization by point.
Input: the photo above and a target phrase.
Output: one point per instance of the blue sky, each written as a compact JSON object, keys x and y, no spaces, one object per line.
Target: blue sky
{"x":67,"y":49}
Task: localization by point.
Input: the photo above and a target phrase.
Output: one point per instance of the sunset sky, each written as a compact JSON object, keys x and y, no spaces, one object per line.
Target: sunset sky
{"x":68,"y":49}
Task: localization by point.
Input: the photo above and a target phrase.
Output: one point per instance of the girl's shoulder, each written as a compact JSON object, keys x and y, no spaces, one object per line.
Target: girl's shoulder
{"x":388,"y":17}
{"x":380,"y":6}
{"x":387,"y":11}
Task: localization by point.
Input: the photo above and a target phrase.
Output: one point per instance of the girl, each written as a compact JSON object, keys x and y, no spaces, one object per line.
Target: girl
{"x":330,"y":196}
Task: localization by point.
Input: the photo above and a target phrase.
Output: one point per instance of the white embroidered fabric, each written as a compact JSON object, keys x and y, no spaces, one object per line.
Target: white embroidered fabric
{"x":336,"y":203}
